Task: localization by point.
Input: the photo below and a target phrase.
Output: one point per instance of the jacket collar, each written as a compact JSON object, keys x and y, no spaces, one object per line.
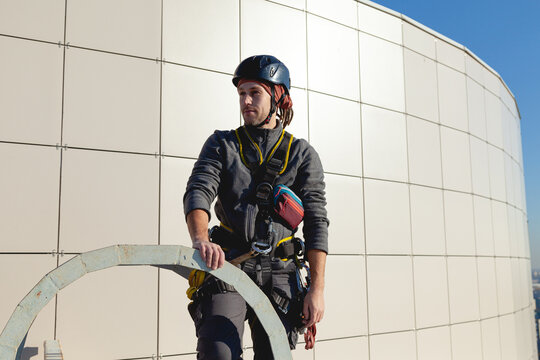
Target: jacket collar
{"x":265,"y":138}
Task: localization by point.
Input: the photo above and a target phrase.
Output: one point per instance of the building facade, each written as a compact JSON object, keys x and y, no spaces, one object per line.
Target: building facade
{"x":104,"y":106}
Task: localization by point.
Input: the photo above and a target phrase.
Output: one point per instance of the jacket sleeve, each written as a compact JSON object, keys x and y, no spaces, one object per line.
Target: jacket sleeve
{"x":310,"y":182}
{"x":203,"y":184}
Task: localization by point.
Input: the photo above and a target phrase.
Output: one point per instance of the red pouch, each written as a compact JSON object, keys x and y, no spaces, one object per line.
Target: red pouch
{"x":288,"y":206}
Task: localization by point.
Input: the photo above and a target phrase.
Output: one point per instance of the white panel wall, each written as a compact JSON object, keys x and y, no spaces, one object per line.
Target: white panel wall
{"x":30,"y":91}
{"x":104,"y":107}
{"x":97,"y":112}
{"x":109,"y":314}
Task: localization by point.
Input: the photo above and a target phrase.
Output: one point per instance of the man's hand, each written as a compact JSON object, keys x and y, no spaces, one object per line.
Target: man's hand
{"x":313,"y":307}
{"x":211,"y":253}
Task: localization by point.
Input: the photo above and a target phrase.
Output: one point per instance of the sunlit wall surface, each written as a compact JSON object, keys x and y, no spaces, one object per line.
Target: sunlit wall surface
{"x":104,"y":106}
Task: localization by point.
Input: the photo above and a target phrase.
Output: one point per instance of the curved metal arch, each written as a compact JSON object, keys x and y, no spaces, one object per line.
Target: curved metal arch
{"x":173,"y":257}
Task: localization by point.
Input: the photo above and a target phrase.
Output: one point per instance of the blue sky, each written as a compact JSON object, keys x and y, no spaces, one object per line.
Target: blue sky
{"x":506,"y":35}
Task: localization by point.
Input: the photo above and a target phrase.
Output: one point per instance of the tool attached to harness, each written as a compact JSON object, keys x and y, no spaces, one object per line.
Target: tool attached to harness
{"x":303,"y":278}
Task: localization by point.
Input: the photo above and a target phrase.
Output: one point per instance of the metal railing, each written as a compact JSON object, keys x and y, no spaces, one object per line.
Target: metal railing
{"x":177,"y":258}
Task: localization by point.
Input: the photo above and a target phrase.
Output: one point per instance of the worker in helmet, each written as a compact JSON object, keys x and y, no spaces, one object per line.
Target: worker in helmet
{"x":266,"y":183}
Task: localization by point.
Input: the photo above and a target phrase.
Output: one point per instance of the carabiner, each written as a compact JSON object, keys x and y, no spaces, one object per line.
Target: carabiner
{"x":261,"y":248}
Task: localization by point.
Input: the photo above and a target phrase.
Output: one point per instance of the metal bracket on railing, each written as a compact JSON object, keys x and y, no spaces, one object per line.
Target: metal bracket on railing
{"x":52,"y":350}
{"x":180,"y":259}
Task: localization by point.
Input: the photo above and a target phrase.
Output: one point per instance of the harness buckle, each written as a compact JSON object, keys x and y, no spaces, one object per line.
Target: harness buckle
{"x":263,"y":192}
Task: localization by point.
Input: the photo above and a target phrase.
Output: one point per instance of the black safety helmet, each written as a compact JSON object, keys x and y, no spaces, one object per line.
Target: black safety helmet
{"x":263,"y":67}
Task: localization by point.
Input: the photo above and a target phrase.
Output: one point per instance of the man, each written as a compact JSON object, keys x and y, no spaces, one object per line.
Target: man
{"x":243,"y":168}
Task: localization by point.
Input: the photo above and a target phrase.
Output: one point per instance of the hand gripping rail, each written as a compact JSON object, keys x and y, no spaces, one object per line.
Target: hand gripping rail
{"x":180,"y":259}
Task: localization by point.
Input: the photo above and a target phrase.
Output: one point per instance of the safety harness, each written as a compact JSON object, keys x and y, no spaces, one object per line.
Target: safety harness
{"x":257,"y":256}
{"x":265,"y":173}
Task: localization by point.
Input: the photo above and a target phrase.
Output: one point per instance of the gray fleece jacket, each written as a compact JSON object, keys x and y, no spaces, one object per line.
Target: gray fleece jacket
{"x":219,"y":171}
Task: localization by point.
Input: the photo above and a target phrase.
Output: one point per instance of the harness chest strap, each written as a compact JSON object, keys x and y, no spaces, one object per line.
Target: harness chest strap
{"x":265,"y":174}
{"x":277,"y":159}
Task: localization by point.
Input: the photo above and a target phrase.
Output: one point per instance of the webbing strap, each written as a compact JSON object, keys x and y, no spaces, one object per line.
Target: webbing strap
{"x":266,"y":172}
{"x":259,"y":269}
{"x":269,"y":171}
{"x":212,"y":286}
{"x":266,"y":269}
{"x":277,"y":159}
{"x":281,"y":301}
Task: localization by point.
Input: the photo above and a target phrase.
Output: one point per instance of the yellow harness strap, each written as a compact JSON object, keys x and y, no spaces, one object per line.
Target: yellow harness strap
{"x":282,"y":241}
{"x":259,"y":153}
{"x":195,"y":280}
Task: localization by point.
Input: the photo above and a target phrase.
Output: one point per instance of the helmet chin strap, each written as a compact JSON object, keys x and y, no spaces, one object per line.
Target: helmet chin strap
{"x":273,"y":107}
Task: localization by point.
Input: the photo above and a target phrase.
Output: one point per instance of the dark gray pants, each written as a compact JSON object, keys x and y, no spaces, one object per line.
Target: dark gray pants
{"x":219,"y":324}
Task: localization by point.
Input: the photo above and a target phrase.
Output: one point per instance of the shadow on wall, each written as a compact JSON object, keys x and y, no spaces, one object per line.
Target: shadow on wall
{"x":28,"y":353}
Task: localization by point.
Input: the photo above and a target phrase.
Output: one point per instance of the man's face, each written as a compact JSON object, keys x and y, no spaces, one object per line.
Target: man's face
{"x":254,"y":102}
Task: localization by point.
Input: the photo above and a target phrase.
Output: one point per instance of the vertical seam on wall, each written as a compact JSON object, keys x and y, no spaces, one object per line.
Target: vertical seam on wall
{"x":474,"y":216}
{"x":508,"y":206}
{"x":489,"y":197}
{"x":239,"y":31}
{"x":492,"y":222}
{"x":444,"y":206}
{"x":363,"y":187}
{"x":499,"y":326}
{"x":160,"y":149}
{"x":159,"y":175}
{"x":61,"y":165}
{"x":307,"y":74}
{"x":409,"y":187}
{"x":160,"y":167}
{"x":307,"y":97}
{"x":58,"y":238}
